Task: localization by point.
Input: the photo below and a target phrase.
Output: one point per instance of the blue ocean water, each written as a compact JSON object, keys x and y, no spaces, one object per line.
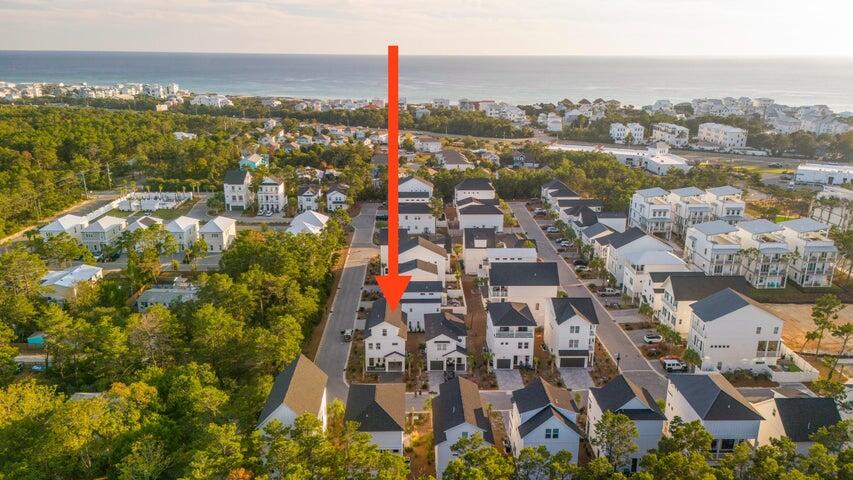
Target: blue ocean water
{"x":515,"y":79}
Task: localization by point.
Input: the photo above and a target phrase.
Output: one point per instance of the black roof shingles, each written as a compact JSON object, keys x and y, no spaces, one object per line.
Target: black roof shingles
{"x":531,"y":274}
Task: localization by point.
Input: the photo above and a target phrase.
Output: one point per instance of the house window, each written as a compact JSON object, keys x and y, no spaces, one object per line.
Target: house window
{"x":552,"y":433}
{"x":441,"y":347}
{"x":758,"y":330}
{"x":775,"y":330}
{"x":575,"y":329}
{"x":574,"y":343}
{"x":384,"y":332}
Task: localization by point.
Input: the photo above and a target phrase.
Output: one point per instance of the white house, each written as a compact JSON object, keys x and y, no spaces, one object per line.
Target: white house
{"x":681,"y":290}
{"x":299,"y":389}
{"x":102,"y":233}
{"x":509,"y":334}
{"x":639,"y":264}
{"x":795,"y":418}
{"x":619,"y":132}
{"x":713,"y":248}
{"x":622,"y":245}
{"x":659,"y":160}
{"x":453,"y":160}
{"x":379,"y":410}
{"x":475,"y":188}
{"x":765,"y":265}
{"x":336,"y":198}
{"x":595,"y":231}
{"x":72,"y":225}
{"x":414,"y":248}
{"x":237,"y":186}
{"x":416,"y":218}
{"x":474,"y":214}
{"x":185,"y":231}
{"x":689,"y":207}
{"x":308,"y":221}
{"x":483,"y":248}
{"x":570,"y":331}
{"x":271,"y":195}
{"x":409,"y":185}
{"x":544,"y":415}
{"x":724,"y":136}
{"x":166,"y":295}
{"x":420,"y":299}
{"x":61,"y":286}
{"x":428,"y":144}
{"x":731,"y":331}
{"x":726,"y":204}
{"x":675,"y":135}
{"x":143,"y":223}
{"x":623,"y":396}
{"x":219,"y":233}
{"x":824,"y":174}
{"x":457,"y":412}
{"x":651,"y":212}
{"x":717,"y":405}
{"x":554,"y":191}
{"x":385,"y":339}
{"x":815,"y":253}
{"x":446,"y":342}
{"x":308,"y":198}
{"x":420,"y":271}
{"x":530,"y":283}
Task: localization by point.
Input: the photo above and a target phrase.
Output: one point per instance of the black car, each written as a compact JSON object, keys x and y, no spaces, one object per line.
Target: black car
{"x":580,"y":262}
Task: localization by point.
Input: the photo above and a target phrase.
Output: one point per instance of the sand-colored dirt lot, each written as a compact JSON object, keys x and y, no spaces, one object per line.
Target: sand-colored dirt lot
{"x":798,"y":322}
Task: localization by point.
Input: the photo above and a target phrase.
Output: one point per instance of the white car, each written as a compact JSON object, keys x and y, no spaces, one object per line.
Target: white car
{"x":552,"y":229}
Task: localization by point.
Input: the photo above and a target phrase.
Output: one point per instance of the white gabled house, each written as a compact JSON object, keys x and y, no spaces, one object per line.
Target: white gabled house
{"x":717,"y":405}
{"x":299,"y":389}
{"x":420,"y":271}
{"x":219,"y":233}
{"x":764,"y":259}
{"x":271,"y":195}
{"x":421,"y":298}
{"x":530,"y":283}
{"x":102,"y":233}
{"x":379,"y":410}
{"x":414,"y":248}
{"x":426,"y":143}
{"x":681,"y":290}
{"x":185,"y":231}
{"x":544,"y":415}
{"x":416,"y":218}
{"x":385,"y":339}
{"x":731,"y":331}
{"x":476,"y":188}
{"x":509,"y":334}
{"x":308,"y":198}
{"x":570,"y":331}
{"x":61,"y":286}
{"x":623,"y":396}
{"x":457,"y":412}
{"x":420,"y":189}
{"x":446,"y":342}
{"x":554,"y":191}
{"x":336,"y":198}
{"x":72,"y":225}
{"x":713,"y":248}
{"x":635,"y":275}
{"x":453,"y":160}
{"x":620,"y":246}
{"x":237,"y":187}
{"x":796,"y":418}
{"x":308,"y":221}
{"x":689,"y":207}
{"x":651,"y":212}
{"x":474,"y":214}
{"x":484,"y":248}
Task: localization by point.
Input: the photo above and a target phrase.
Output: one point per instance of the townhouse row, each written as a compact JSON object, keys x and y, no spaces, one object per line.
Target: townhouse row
{"x":240,"y":194}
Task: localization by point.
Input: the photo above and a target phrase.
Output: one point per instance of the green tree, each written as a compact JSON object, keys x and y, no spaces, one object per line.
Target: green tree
{"x":824,"y":315}
{"x":615,"y":436}
{"x":685,"y":438}
{"x":477,"y":460}
{"x":834,"y":437}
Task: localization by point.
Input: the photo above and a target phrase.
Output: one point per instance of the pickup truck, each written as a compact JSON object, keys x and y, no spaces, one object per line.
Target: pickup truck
{"x":346,"y":335}
{"x":609,"y":292}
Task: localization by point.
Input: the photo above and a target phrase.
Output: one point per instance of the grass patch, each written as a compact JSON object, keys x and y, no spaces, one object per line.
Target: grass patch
{"x":119,"y":213}
{"x":169,"y":214}
{"x":793,"y":293}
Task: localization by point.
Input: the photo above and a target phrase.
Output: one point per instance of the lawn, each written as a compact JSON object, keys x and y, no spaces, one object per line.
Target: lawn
{"x":169,"y":214}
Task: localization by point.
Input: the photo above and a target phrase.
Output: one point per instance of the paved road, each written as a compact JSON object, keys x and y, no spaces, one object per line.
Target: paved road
{"x":333,"y":352}
{"x":631,"y":363}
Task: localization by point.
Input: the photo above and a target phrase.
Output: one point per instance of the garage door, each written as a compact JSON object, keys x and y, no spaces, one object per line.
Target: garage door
{"x":572,"y":362}
{"x":436,"y":365}
{"x":504,"y":363}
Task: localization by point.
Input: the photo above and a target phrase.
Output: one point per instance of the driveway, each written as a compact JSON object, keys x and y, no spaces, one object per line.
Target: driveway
{"x":332,"y":353}
{"x":576,"y":378}
{"x":509,"y":379}
{"x":609,"y":333}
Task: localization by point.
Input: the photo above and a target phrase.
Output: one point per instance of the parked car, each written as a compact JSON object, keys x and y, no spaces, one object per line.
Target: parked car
{"x":560,"y":240}
{"x":540,"y":211}
{"x":673,"y":364}
{"x":552,"y":229}
{"x":579,"y":262}
{"x":565,"y":244}
{"x":775,"y":165}
{"x":581,"y":268}
{"x":609,"y":292}
{"x":346,"y":335}
{"x":38,"y":367}
{"x":652,"y":338}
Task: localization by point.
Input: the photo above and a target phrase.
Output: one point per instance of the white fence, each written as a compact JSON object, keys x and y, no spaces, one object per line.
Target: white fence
{"x":807,"y":372}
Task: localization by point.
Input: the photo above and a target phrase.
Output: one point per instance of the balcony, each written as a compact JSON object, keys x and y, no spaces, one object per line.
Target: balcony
{"x":513,"y":334}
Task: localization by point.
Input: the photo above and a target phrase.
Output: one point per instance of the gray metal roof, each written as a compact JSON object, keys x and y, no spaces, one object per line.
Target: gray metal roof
{"x":688,"y":191}
{"x":619,"y":391}
{"x":528,"y":274}
{"x":566,"y":308}
{"x":652,"y":192}
{"x":725,"y":190}
{"x":719,"y":304}
{"x":713,"y":397}
{"x":802,"y":225}
{"x":759,"y":226}
{"x":715,"y":227}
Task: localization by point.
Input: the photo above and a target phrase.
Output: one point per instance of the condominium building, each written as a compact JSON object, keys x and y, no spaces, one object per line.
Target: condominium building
{"x":724,"y":136}
{"x":814,"y":254}
{"x":651,"y":212}
{"x":726,"y":204}
{"x":713,"y":247}
{"x":689,"y":207}
{"x":764,"y":259}
{"x":675,"y":135}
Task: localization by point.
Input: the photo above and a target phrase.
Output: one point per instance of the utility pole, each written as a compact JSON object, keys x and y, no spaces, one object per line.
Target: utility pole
{"x":85,"y":189}
{"x":109,"y":178}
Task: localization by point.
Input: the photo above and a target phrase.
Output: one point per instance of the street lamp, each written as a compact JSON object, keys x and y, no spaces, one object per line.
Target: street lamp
{"x":618,"y":359}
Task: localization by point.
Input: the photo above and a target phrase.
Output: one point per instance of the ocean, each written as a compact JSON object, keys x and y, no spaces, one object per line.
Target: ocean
{"x":514,"y":79}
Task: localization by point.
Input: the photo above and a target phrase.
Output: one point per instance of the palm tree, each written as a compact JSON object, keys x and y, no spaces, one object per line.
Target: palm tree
{"x":824,"y":314}
{"x":844,"y":332}
{"x":487,"y":360}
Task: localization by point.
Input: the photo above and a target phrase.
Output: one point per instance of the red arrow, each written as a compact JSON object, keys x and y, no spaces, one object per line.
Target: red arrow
{"x":393,"y":284}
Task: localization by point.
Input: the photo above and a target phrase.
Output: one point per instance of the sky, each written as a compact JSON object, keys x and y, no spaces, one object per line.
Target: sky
{"x":434,"y":27}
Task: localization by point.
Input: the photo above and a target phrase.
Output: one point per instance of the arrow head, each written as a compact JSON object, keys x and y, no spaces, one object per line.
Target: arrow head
{"x":392,"y":287}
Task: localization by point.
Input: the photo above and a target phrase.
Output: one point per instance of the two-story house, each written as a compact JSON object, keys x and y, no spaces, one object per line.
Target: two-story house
{"x":308,"y":198}
{"x":713,"y":248}
{"x":682,"y":290}
{"x":299,"y":389}
{"x":621,"y":395}
{"x":421,"y":298}
{"x":453,"y":160}
{"x":717,"y":405}
{"x":385,"y":334}
{"x":796,"y":418}
{"x":219,"y":233}
{"x":543,"y":415}
{"x":731,"y":331}
{"x":380,"y":411}
{"x":530,"y":283}
{"x":271,"y":195}
{"x":102,"y":233}
{"x":414,"y":189}
{"x":509,"y":334}
{"x":61,"y":286}
{"x":420,"y":271}
{"x":237,"y":187}
{"x":72,"y":225}
{"x":483,"y":247}
{"x":414,"y":248}
{"x":416,"y":218}
{"x":554,"y":191}
{"x":570,"y":331}
{"x":457,"y":412}
{"x":475,"y":188}
{"x":814,"y":253}
{"x":475,"y":214}
{"x":764,"y":255}
{"x":651,"y":212}
{"x":446,"y":342}
{"x":689,"y":207}
{"x":185,"y":230}
{"x":428,"y":144}
{"x":336,"y":198}
{"x":308,"y":221}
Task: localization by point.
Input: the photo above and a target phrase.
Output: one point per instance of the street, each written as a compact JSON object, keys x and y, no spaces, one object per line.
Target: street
{"x":333,"y":352}
{"x":615,"y":341}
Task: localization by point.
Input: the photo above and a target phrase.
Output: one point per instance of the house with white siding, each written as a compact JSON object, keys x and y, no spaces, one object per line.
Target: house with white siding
{"x":689,"y":207}
{"x":380,"y":411}
{"x":509,"y":334}
{"x":713,"y":248}
{"x":554,"y":191}
{"x":219,"y":233}
{"x":796,"y":418}
{"x":72,"y":225}
{"x":336,"y":198}
{"x":475,"y":188}
{"x":446,"y":337}
{"x":416,"y":218}
{"x":530,"y":283}
{"x":237,"y":187}
{"x":102,"y":233}
{"x":682,"y":290}
{"x":717,"y":405}
{"x":639,"y":264}
{"x":420,"y":299}
{"x":621,"y":395}
{"x":621,"y":246}
{"x":651,"y":212}
{"x":813,"y":262}
{"x":385,"y":339}
{"x":414,"y":248}
{"x":61,"y":286}
{"x":185,"y":230}
{"x":453,"y":160}
{"x":299,"y":389}
{"x":457,"y":412}
{"x":271,"y":196}
{"x":474,"y":214}
{"x":308,"y":198}
{"x":483,"y":247}
{"x":428,"y":144}
{"x":544,"y":415}
{"x":764,"y":261}
{"x":408,"y":185}
{"x":726,"y":204}
{"x":570,"y":331}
